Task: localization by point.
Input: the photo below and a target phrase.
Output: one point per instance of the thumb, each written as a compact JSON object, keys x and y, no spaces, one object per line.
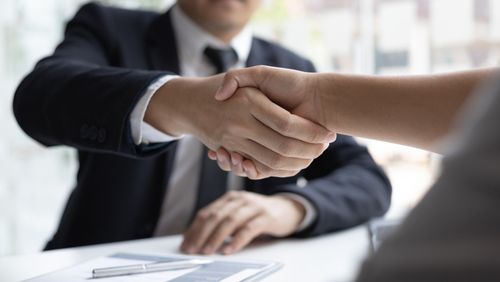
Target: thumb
{"x":234,"y":79}
{"x":228,"y":88}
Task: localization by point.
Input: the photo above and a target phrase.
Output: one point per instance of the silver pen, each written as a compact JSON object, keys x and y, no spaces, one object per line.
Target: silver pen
{"x":147,"y":268}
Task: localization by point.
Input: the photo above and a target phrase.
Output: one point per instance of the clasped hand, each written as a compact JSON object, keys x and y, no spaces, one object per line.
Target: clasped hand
{"x":297,"y":92}
{"x":249,"y":125}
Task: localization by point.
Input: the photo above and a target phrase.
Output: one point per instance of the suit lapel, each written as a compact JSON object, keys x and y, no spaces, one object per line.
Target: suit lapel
{"x":161,"y":45}
{"x":258,"y":55}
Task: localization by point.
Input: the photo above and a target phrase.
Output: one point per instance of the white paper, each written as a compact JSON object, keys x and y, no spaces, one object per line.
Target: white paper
{"x":219,"y":270}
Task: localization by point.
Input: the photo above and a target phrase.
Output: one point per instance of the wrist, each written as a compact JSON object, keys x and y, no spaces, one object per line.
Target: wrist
{"x":294,"y":210}
{"x":166,"y":110}
{"x":328,"y":93}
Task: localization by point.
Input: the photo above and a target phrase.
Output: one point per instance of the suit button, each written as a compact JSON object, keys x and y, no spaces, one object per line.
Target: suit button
{"x":93,"y":132}
{"x":101,"y":137}
{"x":84,"y":131}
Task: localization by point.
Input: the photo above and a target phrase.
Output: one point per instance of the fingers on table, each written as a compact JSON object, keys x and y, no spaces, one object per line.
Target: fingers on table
{"x":228,"y":226}
{"x":224,"y":218}
{"x":245,"y":235}
{"x":204,"y":223}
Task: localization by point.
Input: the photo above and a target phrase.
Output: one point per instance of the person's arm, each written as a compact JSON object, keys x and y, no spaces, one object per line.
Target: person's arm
{"x":452,"y":235}
{"x":76,"y":97}
{"x":409,"y":110}
{"x":249,"y":124}
{"x":80,"y":98}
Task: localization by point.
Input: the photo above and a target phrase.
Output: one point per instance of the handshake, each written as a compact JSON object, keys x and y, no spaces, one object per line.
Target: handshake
{"x":267,"y":121}
{"x":263,"y":121}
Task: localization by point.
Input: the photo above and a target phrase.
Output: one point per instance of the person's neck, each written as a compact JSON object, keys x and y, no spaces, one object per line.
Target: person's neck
{"x":224,"y":34}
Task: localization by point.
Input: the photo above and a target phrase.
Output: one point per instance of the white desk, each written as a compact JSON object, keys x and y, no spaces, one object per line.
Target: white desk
{"x":334,"y":258}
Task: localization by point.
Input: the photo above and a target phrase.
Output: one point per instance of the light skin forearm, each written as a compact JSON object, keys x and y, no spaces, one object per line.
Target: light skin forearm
{"x":169,"y":105}
{"x":410,"y":110}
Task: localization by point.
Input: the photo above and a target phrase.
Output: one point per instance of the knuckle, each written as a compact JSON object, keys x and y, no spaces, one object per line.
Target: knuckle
{"x":319,"y":149}
{"x":230,"y":220}
{"x":233,"y":194}
{"x":259,"y":70}
{"x":203,"y":215}
{"x":252,"y":228}
{"x":284,"y":124}
{"x":307,"y":163}
{"x":276,"y":161}
{"x":262,"y":172}
{"x":286,"y":147}
{"x":230,"y":75}
{"x":217,"y":216}
{"x":315,"y":136}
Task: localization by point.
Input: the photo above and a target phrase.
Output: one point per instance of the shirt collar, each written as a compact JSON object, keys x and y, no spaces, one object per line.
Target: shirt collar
{"x":192,"y":39}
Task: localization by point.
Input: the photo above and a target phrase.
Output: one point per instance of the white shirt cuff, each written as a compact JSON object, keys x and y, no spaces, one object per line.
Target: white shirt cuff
{"x":310,"y":214}
{"x":142,"y":132}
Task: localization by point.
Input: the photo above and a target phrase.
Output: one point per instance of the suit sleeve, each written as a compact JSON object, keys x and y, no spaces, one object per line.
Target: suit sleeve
{"x":75,"y":97}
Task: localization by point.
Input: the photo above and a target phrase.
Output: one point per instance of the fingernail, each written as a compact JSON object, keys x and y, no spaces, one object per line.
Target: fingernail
{"x":222,"y":160}
{"x":245,"y":170}
{"x":218,"y":93}
{"x":212,"y":156}
{"x":235,"y":161}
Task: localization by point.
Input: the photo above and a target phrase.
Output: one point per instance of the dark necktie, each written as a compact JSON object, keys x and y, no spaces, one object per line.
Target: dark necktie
{"x":221,"y":59}
{"x":213,"y":180}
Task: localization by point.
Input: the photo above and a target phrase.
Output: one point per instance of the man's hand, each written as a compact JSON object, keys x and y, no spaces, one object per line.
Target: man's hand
{"x":297,"y":92}
{"x":240,"y":217}
{"x":279,"y":142}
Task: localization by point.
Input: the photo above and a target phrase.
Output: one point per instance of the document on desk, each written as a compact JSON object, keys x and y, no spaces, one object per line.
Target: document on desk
{"x":225,"y":270}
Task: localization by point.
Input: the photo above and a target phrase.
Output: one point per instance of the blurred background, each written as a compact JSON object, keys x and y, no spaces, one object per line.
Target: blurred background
{"x":384,"y":37}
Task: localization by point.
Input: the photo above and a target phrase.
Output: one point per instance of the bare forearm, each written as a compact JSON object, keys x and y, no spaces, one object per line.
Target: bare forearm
{"x":414,"y":110}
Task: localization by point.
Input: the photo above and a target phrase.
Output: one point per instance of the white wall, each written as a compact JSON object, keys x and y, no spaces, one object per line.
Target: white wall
{"x":452,"y":22}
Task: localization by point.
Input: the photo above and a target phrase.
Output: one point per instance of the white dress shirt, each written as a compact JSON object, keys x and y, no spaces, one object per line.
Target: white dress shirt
{"x":180,"y":200}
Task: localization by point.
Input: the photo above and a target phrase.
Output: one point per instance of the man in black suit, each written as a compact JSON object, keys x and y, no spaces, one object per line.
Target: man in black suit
{"x":110,"y":90}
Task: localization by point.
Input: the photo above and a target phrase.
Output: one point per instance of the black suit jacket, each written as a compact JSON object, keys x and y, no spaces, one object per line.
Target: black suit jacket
{"x":82,"y":96}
